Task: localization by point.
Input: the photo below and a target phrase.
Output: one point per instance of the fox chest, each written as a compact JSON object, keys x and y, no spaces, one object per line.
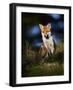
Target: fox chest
{"x":48,"y":42}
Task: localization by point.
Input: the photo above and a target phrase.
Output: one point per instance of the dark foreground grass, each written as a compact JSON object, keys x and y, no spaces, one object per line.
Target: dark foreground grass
{"x":45,"y":69}
{"x":51,"y":66}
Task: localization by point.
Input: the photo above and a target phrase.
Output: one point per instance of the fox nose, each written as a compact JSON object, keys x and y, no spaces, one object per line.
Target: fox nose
{"x":47,"y":36}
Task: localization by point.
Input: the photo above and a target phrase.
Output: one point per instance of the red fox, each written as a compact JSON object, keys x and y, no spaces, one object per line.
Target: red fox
{"x":47,"y":38}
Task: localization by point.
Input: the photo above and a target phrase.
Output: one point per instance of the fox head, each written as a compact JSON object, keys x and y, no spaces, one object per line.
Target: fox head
{"x":45,"y":30}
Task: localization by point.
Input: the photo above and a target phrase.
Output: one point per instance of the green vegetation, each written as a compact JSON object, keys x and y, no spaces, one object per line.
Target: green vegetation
{"x":34,"y":65}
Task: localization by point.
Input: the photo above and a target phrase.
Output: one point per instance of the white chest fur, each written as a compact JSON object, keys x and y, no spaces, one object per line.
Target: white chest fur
{"x":48,"y":43}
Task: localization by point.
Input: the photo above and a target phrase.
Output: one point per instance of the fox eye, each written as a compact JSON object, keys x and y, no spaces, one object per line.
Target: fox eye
{"x":43,"y":31}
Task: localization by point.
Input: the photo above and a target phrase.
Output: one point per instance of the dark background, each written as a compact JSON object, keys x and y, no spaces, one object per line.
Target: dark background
{"x":31,"y":31}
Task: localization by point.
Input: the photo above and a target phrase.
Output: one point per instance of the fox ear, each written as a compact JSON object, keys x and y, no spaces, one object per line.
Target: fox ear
{"x":49,"y":25}
{"x":41,"y":26}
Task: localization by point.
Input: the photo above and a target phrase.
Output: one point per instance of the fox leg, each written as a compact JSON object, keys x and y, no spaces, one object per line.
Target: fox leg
{"x":43,"y":51}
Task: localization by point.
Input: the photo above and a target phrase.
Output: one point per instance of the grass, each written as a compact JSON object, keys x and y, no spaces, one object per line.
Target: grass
{"x":45,"y":69}
{"x":34,"y":65}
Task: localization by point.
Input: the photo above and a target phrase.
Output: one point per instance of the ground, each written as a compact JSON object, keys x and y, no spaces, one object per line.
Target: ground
{"x":51,"y":66}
